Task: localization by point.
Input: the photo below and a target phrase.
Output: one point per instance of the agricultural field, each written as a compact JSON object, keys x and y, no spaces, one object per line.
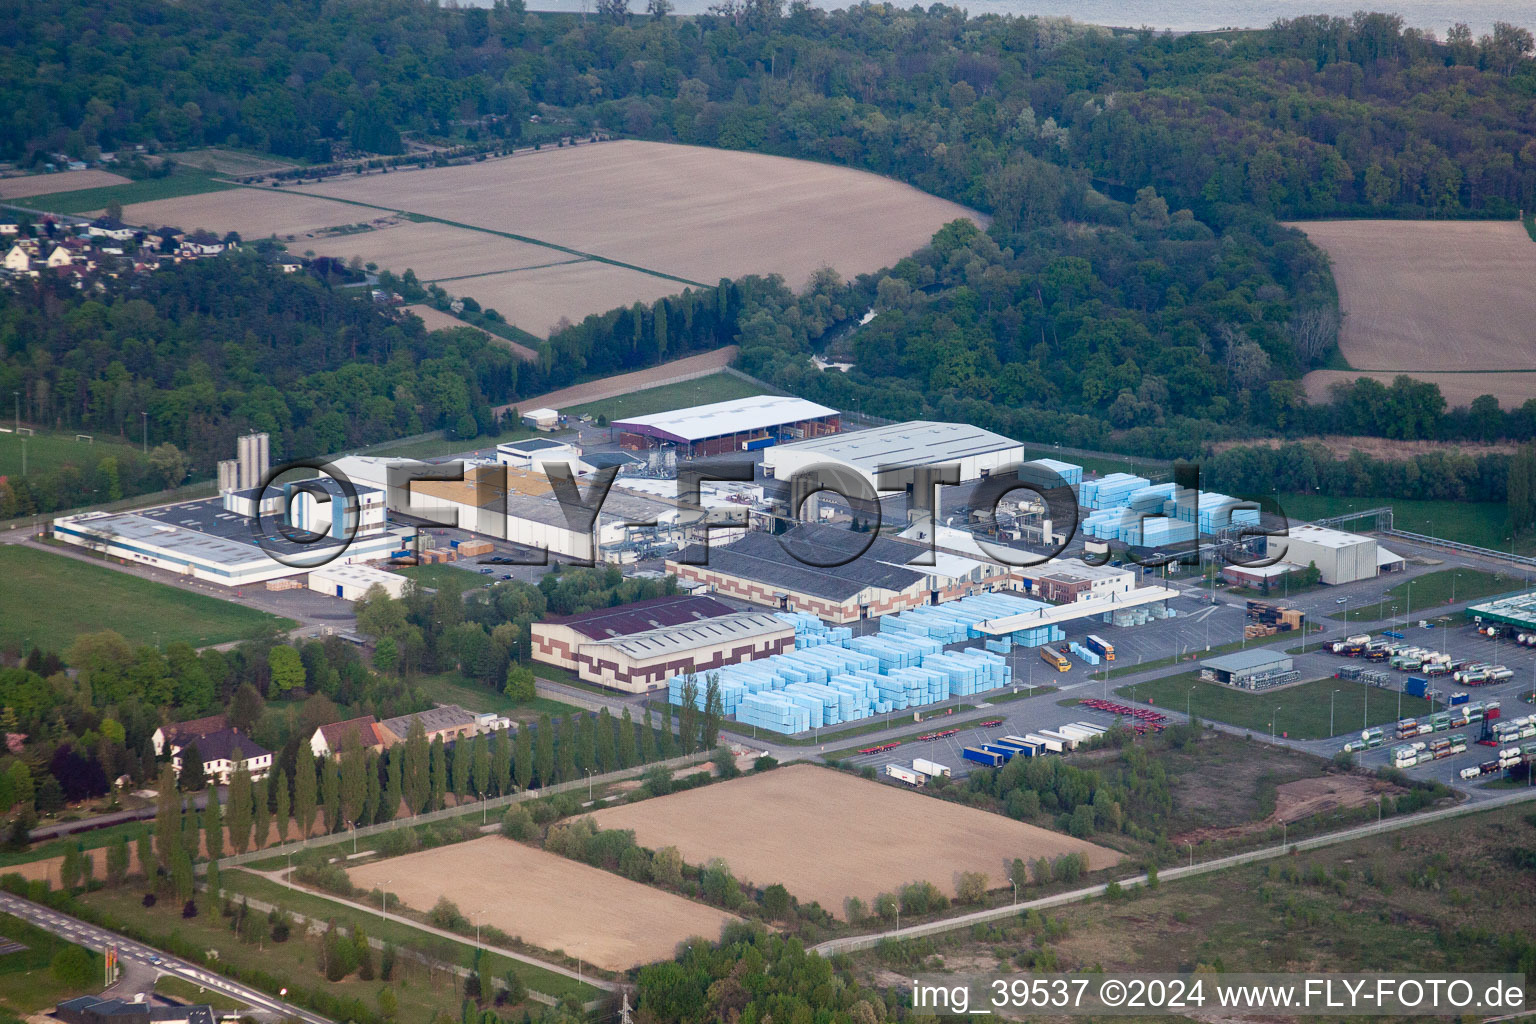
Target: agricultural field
{"x":436,"y":252}
{"x":1303,"y":707}
{"x":1424,"y":296}
{"x":176,"y":187}
{"x":28,"y":185}
{"x":538,"y":298}
{"x":1423,"y":595}
{"x":547,"y":900}
{"x":38,"y":584}
{"x":717,"y":387}
{"x":1511,"y":388}
{"x":825,"y":835}
{"x":254,"y":213}
{"x":1451,"y":895}
{"x":696,"y":213}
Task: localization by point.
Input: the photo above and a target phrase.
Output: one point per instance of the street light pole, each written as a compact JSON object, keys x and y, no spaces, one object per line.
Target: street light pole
{"x":1331,"y":696}
{"x":1272,"y":720}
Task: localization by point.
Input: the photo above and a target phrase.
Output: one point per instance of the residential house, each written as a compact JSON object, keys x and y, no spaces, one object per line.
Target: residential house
{"x":330,"y":740}
{"x":18,"y":260}
{"x":107,"y":227}
{"x":223,"y":753}
{"x":60,"y":257}
{"x":169,"y":736}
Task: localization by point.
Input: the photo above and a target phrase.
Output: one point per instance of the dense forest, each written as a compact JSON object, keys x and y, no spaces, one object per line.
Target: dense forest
{"x":216,"y":348}
{"x":1322,"y":115}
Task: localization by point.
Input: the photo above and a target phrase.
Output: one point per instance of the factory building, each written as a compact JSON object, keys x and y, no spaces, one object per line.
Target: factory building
{"x":979,"y":453}
{"x":532,"y":453}
{"x":1340,"y":557}
{"x":351,"y":582}
{"x":208,"y":541}
{"x":743,"y":424}
{"x":818,"y":569}
{"x":1518,"y":610}
{"x":1064,"y":580}
{"x":639,"y":646}
{"x":520,"y":506}
{"x":1256,"y":669}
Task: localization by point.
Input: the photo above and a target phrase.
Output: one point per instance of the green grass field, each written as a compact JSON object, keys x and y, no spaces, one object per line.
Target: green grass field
{"x":48,"y":600}
{"x":1425,"y":594}
{"x":435,"y":446}
{"x":47,"y":450}
{"x":717,"y":387}
{"x":1484,"y":523}
{"x":26,"y":983}
{"x":1303,"y":708}
{"x":438,"y":574}
{"x":187,"y":992}
{"x":182,"y":183}
{"x":453,"y":688}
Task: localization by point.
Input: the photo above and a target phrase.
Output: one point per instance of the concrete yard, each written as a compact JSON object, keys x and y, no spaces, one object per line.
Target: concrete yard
{"x":827,"y":835}
{"x":547,"y":900}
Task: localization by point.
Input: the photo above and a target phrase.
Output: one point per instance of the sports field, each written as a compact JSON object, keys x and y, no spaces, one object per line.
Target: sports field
{"x":1424,"y":296}
{"x":826,"y":835}
{"x":547,"y":900}
{"x":49,"y":599}
{"x":49,"y":450}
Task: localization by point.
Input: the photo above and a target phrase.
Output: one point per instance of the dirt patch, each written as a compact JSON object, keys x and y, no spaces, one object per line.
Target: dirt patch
{"x":547,"y":900}
{"x":64,"y":181}
{"x":1421,"y":296}
{"x":1303,"y":798}
{"x":826,"y":835}
{"x":687,"y":368}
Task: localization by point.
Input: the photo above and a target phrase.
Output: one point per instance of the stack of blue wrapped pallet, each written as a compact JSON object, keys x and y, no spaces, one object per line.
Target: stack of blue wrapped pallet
{"x":1110,"y":491}
{"x":1091,"y":657}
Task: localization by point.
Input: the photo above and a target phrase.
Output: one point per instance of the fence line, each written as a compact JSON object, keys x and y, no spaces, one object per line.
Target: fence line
{"x":493,"y":803}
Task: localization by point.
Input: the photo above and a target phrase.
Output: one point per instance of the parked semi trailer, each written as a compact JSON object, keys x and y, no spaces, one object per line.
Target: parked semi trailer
{"x":907,"y":775}
{"x":989,"y":758}
{"x":1103,"y":648}
{"x":1052,"y":743}
{"x":1070,"y":742}
{"x":932,"y":769}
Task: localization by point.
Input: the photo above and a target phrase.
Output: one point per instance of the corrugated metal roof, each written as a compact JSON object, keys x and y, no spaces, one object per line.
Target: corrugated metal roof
{"x":739,"y":415}
{"x":642,"y":616}
{"x":673,"y":640}
{"x":1242,"y":661}
{"x":917,"y":443}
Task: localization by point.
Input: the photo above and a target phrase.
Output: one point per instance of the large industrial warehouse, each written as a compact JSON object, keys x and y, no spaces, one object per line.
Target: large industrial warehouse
{"x":777,"y":572}
{"x":1340,"y":557}
{"x":979,"y":453}
{"x":743,"y":424}
{"x":637,"y":647}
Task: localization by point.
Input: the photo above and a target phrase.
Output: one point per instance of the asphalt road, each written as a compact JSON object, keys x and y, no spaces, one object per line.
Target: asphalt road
{"x":146,"y":961}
